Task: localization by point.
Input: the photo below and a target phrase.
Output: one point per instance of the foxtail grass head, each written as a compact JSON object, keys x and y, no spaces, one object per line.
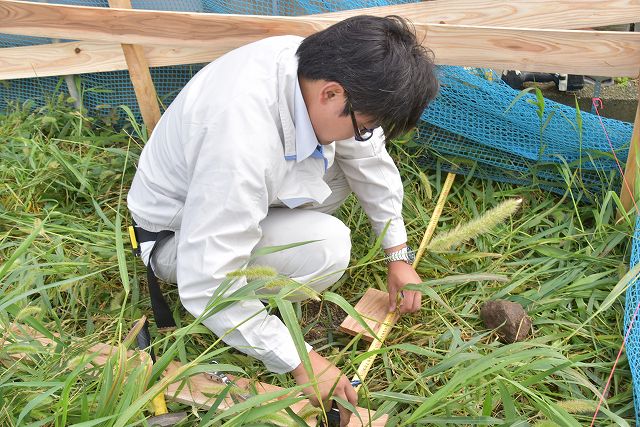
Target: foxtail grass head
{"x":475,"y":227}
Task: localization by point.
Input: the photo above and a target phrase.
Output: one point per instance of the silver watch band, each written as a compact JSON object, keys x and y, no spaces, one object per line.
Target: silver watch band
{"x":399,"y":255}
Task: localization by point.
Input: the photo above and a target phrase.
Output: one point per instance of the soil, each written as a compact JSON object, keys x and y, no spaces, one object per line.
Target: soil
{"x":325,"y":317}
{"x":619,"y":100}
{"x":509,"y":317}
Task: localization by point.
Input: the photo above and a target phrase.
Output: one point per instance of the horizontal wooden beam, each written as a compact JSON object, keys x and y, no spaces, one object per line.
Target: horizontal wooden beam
{"x":549,"y":14}
{"x":91,"y":57}
{"x":557,"y":14}
{"x":204,"y":37}
{"x":560,"y":51}
{"x":146,"y":27}
{"x":185,"y":28}
{"x":601,"y":53}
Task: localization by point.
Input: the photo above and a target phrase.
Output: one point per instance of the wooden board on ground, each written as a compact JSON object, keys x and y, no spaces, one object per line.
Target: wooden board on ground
{"x":100,"y":352}
{"x":199,"y":390}
{"x":373,"y":307}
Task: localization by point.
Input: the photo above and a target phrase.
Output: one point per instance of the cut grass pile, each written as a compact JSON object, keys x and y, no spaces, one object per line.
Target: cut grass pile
{"x":66,"y":269}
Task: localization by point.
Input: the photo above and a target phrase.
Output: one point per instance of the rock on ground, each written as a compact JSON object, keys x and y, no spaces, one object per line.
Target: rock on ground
{"x":509,"y":317}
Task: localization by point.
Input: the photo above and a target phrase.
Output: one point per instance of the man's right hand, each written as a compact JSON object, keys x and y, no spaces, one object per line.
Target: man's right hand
{"x":327,"y":375}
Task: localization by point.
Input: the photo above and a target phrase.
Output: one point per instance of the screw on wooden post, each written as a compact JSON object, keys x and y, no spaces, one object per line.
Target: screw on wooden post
{"x":388,"y":322}
{"x":140,"y":77}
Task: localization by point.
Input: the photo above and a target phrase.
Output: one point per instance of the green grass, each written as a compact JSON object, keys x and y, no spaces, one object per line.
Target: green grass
{"x":66,"y":269}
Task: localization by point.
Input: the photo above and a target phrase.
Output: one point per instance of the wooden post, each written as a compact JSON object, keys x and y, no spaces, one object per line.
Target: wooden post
{"x":140,"y":77}
{"x":629,"y":182}
{"x":69,"y":79}
{"x":71,"y":83}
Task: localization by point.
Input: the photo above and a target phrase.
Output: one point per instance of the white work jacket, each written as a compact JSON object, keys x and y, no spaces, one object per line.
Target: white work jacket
{"x":222,"y":154}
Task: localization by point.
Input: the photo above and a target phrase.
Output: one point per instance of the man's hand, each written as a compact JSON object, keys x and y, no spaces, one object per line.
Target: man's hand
{"x":399,"y":275}
{"x":327,"y":375}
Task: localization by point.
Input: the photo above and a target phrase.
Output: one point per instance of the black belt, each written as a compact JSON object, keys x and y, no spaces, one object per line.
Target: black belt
{"x":161,"y":311}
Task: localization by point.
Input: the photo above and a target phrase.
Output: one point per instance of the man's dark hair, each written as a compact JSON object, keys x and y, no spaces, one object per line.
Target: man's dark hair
{"x":385,"y":71}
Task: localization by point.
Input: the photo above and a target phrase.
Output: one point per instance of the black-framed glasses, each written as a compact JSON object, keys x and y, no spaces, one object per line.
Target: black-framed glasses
{"x":360,"y":134}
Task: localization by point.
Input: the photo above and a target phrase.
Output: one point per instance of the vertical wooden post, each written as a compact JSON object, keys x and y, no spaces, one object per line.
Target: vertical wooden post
{"x":71,"y":83}
{"x":630,"y":174}
{"x":140,"y":77}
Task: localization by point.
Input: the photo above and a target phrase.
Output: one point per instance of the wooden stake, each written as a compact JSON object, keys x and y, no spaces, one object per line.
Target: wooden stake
{"x":630,"y":175}
{"x":140,"y":77}
{"x":386,"y":326}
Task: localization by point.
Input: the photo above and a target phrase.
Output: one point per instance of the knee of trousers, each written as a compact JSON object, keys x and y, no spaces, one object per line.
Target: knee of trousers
{"x":164,"y":259}
{"x":334,"y":254}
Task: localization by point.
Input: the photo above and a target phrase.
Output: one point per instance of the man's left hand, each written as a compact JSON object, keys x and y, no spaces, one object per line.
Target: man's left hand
{"x":399,"y":275}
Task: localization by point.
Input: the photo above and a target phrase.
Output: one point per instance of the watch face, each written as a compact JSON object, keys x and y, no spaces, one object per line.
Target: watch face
{"x":405,"y":254}
{"x":411,"y":256}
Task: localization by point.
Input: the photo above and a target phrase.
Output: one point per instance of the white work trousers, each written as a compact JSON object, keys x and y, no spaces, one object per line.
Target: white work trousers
{"x":318,"y":264}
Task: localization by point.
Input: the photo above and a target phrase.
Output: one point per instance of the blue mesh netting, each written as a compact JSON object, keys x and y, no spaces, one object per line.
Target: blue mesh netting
{"x":630,"y":314}
{"x":473,"y":120}
{"x":467,"y":127}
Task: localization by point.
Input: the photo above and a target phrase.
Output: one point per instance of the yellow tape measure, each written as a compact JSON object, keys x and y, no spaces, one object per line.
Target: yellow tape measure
{"x":388,"y":322}
{"x":366,"y":364}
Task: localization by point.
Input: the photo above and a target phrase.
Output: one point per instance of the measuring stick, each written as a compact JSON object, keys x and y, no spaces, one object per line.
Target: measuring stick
{"x":387,"y":323}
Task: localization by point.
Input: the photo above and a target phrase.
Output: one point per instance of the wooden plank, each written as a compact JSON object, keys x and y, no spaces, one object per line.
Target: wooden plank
{"x":91,"y":57}
{"x":201,"y":391}
{"x":627,"y":192}
{"x":563,"y":51}
{"x":558,"y":14}
{"x":101,"y":352}
{"x":559,"y":51}
{"x":373,"y":307}
{"x":140,"y":77}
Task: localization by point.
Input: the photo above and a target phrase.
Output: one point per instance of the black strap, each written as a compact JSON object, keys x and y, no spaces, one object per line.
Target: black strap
{"x":143,"y":340}
{"x":161,"y":311}
{"x":143,"y":235}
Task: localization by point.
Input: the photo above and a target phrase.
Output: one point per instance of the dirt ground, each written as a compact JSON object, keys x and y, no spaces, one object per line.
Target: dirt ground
{"x":322,"y":318}
{"x":619,"y":100}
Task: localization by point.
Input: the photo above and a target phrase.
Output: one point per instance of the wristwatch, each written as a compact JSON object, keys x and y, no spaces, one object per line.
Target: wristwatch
{"x":405,"y":254}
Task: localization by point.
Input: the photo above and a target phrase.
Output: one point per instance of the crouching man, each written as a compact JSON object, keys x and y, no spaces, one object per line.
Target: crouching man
{"x":259,"y":149}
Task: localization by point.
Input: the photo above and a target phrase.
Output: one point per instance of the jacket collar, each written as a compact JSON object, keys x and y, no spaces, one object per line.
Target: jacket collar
{"x":306,"y":140}
{"x":287,"y":81}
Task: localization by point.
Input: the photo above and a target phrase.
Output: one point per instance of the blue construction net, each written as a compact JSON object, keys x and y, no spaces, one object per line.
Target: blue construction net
{"x":472,"y":127}
{"x":632,"y":322}
{"x":474,"y":124}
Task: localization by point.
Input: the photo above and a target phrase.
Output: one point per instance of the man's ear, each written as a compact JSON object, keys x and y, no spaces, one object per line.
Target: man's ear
{"x":331,"y":92}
